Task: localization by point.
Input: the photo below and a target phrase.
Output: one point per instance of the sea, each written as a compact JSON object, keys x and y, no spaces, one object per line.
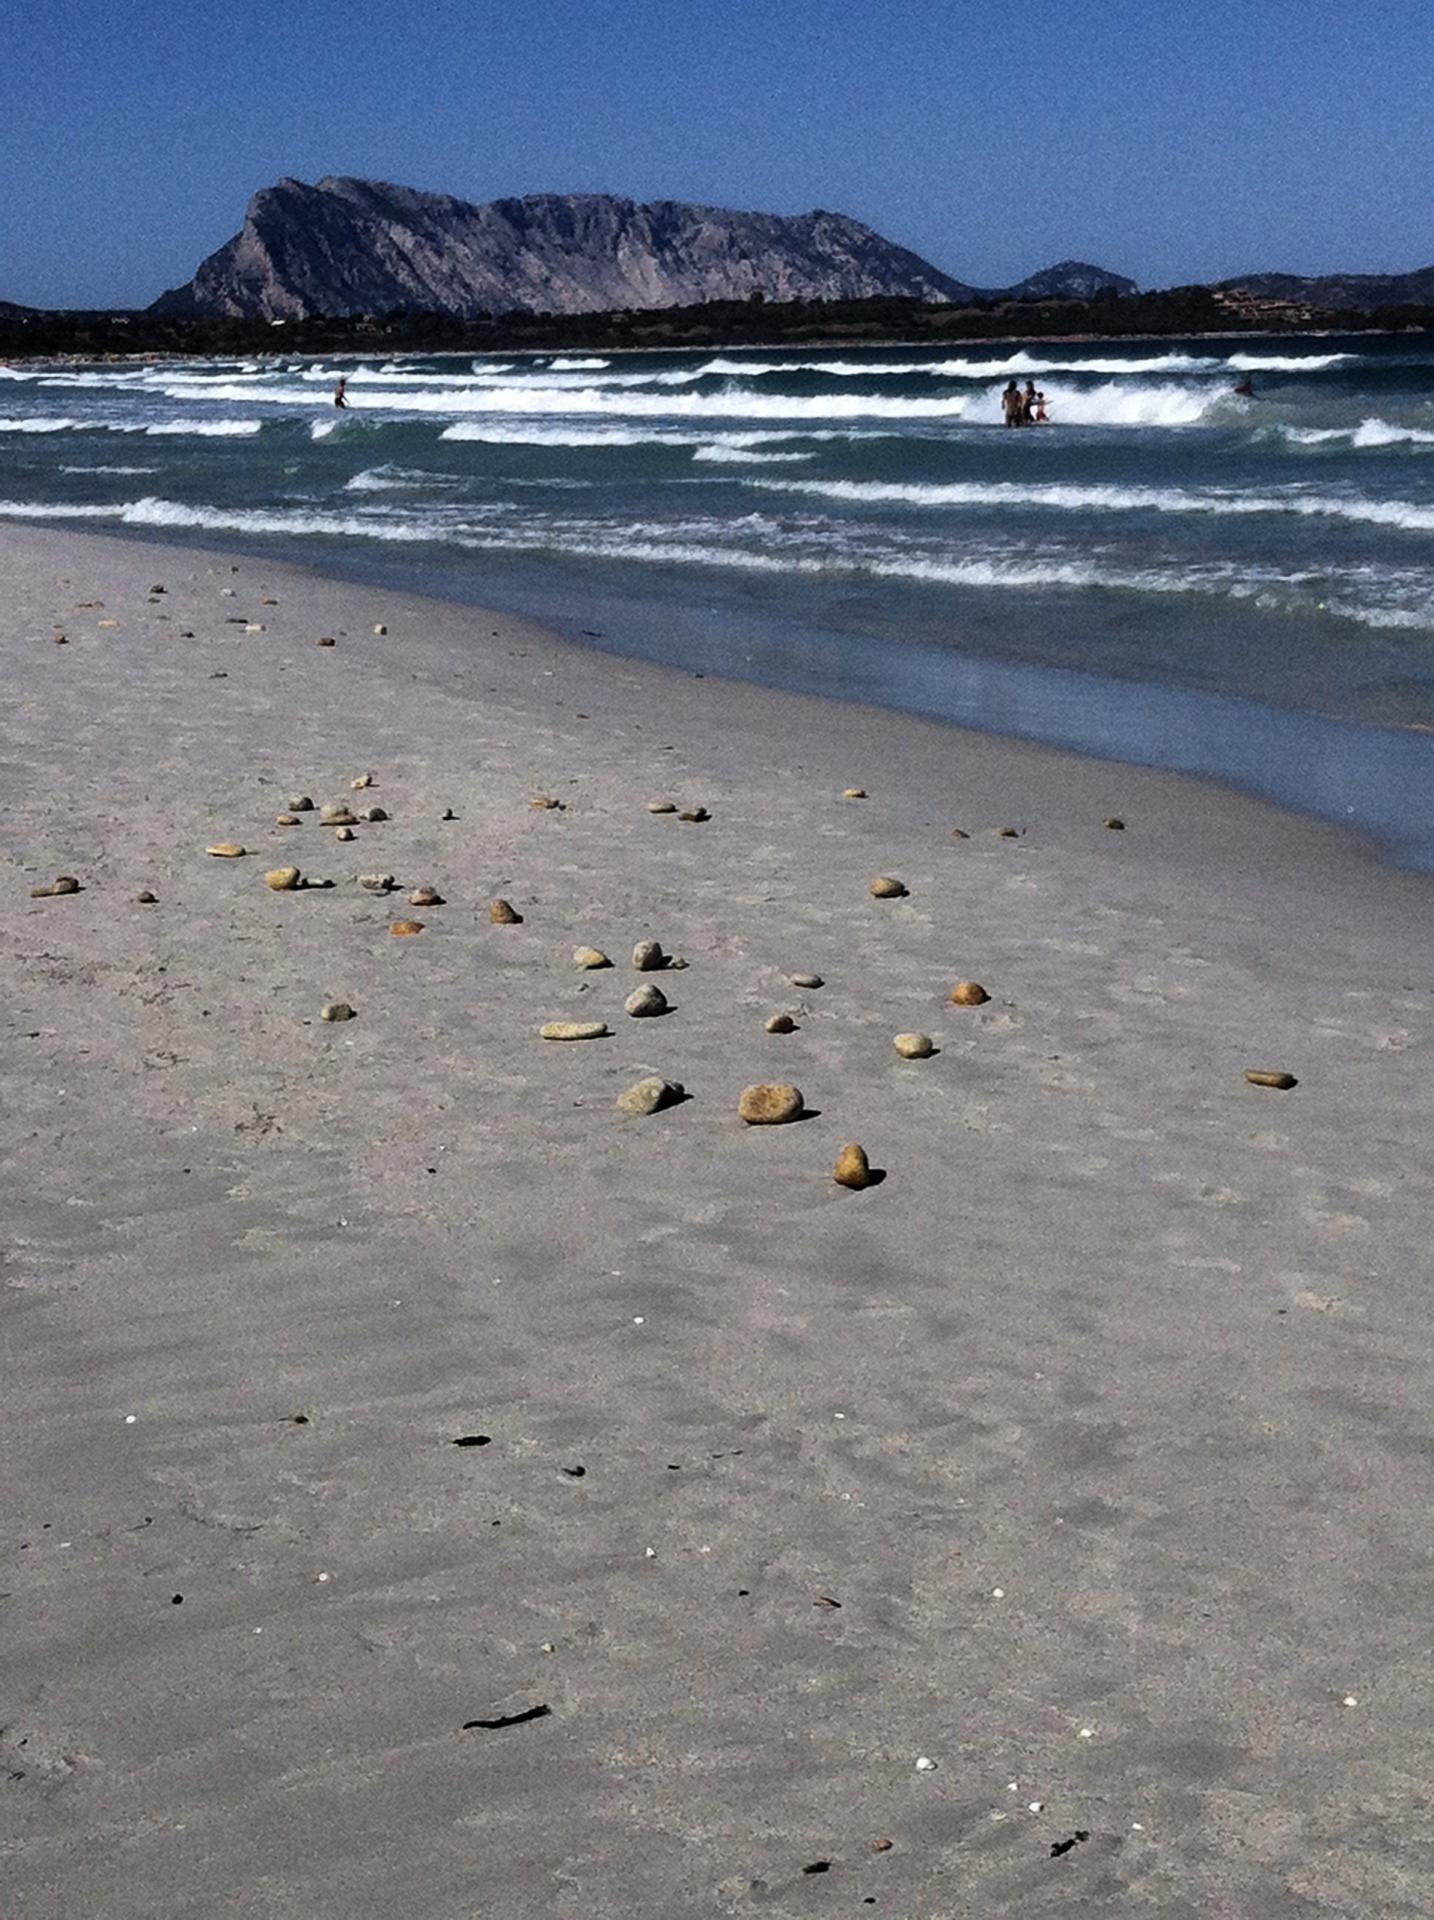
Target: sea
{"x":1168,"y":572}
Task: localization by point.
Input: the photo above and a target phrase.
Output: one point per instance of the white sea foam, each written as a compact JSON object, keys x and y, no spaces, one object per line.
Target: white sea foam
{"x":586,"y":401}
{"x":1369,"y":433}
{"x":391,"y":479}
{"x":104,"y":469}
{"x":1286,"y":362}
{"x":1405,"y":515}
{"x":959,"y":369}
{"x":564,"y":365}
{"x":725,"y":456}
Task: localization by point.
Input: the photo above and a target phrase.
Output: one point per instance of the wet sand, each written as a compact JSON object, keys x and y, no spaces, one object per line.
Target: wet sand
{"x":1086,"y":1456}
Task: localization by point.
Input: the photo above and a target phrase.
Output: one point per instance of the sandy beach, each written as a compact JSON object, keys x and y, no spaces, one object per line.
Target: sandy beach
{"x":1084,"y":1457}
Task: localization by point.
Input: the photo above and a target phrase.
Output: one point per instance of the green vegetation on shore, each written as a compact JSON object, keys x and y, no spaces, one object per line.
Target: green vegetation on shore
{"x":1176,"y":311}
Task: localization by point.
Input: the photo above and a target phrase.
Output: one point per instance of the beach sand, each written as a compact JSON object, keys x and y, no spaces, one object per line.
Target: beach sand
{"x":1086,"y":1455}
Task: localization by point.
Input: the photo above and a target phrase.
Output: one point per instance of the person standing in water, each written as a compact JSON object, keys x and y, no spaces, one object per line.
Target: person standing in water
{"x":1028,"y":405}
{"x":340,"y":397}
{"x":1011,"y":404}
{"x":1041,"y":415}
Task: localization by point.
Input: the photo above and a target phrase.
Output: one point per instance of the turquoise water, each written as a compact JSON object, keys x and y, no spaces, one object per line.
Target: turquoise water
{"x":1167,"y":571}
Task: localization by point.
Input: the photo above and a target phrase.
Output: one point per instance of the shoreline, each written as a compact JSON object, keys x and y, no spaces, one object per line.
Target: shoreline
{"x":1084,"y":1457}
{"x":1368,"y":776}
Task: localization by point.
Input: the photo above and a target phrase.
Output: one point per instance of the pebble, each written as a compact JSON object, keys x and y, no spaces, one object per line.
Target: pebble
{"x":924,"y":1765}
{"x":376,"y":882}
{"x":402,"y":929}
{"x":325,"y":640}
{"x":886,"y":888}
{"x":1113,"y":825}
{"x":226,"y":850}
{"x":343,"y":833}
{"x":302,"y":805}
{"x":545,"y":803}
{"x":379,"y":628}
{"x":282,"y":879}
{"x":287,"y":820}
{"x":361,"y":781}
{"x":574,"y":1030}
{"x":805,"y":979}
{"x":147,"y":899}
{"x":335,"y":813}
{"x":958,"y":833}
{"x":1282,"y":1081}
{"x":590,"y":958}
{"x":648,"y":957}
{"x":336,"y":1010}
{"x":1007,"y":833}
{"x":853,"y":793}
{"x":373,"y":814}
{"x":770,"y":1104}
{"x":852,"y":1168}
{"x":648,"y":1096}
{"x":504,"y":914}
{"x":425,"y":897}
{"x":645,"y":1002}
{"x":662,"y":806}
{"x":67,"y":883}
{"x":694,"y":815}
{"x":914,"y":1046}
{"x":969,"y":993}
{"x":779,"y":1023}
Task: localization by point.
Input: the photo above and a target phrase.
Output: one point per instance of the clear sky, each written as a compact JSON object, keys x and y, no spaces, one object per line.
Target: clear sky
{"x":1170,"y":142}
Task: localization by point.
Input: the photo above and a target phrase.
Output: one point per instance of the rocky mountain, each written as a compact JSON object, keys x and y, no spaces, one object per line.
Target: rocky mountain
{"x":1341,"y":291}
{"x":361,"y":246}
{"x":1070,"y":280}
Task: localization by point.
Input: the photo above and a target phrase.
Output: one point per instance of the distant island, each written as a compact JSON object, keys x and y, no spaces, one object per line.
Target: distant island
{"x":357,"y":264}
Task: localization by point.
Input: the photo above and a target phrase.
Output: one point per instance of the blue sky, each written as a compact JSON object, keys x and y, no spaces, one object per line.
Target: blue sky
{"x":1168,"y":142}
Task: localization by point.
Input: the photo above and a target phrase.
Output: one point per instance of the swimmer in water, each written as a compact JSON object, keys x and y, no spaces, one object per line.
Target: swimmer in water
{"x":1245,"y":388}
{"x":340,"y":397}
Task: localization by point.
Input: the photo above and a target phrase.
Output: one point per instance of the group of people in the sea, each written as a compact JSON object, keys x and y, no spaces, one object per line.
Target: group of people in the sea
{"x":1024,"y":407}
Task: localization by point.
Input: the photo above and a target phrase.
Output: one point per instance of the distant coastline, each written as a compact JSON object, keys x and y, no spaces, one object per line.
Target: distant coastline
{"x":1187,"y":313}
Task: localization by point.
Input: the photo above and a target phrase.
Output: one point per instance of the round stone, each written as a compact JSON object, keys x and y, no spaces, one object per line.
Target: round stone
{"x":282,"y":879}
{"x":373,"y":814}
{"x":852,"y":1168}
{"x":226,"y":850}
{"x":405,"y":929}
{"x":361,"y":781}
{"x":504,"y":914}
{"x":914,"y":1046}
{"x":853,"y":793}
{"x":770,"y":1104}
{"x":958,"y":834}
{"x":662,"y":806}
{"x":811,"y":980}
{"x":1282,"y":1082}
{"x":648,"y":1096}
{"x":287,"y":820}
{"x":1113,"y":825}
{"x":779,"y":1023}
{"x":545,"y":803}
{"x":376,"y":882}
{"x":645,"y":1003}
{"x":425,"y":897}
{"x":1007,"y":833}
{"x":146,"y":898}
{"x":343,"y":833}
{"x":336,"y":813}
{"x":379,"y":628}
{"x":590,"y":958}
{"x":886,"y":888}
{"x":694,"y":815}
{"x":325,"y":640}
{"x":302,"y":805}
{"x":969,"y":993}
{"x":648,"y":957}
{"x":336,"y":1010}
{"x":67,"y":883}
{"x":574,"y":1030}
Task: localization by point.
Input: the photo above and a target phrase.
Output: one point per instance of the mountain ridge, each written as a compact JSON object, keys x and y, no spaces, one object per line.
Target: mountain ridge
{"x":345,"y":246}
